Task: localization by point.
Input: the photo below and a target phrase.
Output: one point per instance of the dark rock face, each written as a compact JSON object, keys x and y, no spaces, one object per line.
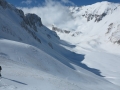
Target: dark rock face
{"x":60,"y":30}
{"x":115,"y":37}
{"x":76,"y":34}
{"x":92,"y":16}
{"x":109,"y":28}
{"x":4,"y":4}
{"x":30,"y":20}
{"x":33,"y":21}
{"x":25,"y":23}
{"x":20,"y":13}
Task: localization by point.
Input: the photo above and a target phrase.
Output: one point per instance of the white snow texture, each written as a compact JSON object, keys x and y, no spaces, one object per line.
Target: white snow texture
{"x":33,"y":57}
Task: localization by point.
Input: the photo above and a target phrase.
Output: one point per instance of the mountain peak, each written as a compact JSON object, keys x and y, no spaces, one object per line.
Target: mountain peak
{"x":97,"y":10}
{"x":30,"y":19}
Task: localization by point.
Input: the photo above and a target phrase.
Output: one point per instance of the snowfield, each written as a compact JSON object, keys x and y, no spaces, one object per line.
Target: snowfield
{"x":34,"y":57}
{"x":28,"y":68}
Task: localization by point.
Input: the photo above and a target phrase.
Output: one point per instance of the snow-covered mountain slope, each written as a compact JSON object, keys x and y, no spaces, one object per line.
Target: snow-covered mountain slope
{"x":17,"y":26}
{"x":33,"y":57}
{"x":28,"y":68}
{"x":96,"y":35}
{"x":98,"y":20}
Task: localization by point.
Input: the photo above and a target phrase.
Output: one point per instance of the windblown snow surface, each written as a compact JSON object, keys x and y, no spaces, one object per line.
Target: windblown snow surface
{"x":28,"y":68}
{"x":34,"y":58}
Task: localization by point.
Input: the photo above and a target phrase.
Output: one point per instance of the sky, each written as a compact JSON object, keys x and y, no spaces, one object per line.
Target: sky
{"x":28,"y":3}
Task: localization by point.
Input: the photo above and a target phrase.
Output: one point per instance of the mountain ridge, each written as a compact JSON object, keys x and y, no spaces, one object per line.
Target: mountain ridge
{"x":87,"y":18}
{"x":33,"y":57}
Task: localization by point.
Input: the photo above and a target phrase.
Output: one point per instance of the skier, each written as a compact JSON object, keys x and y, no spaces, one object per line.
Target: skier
{"x":0,"y":71}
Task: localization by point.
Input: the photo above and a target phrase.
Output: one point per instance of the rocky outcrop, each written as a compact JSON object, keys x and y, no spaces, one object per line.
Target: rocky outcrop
{"x":32,"y":33}
{"x":30,"y":22}
{"x":109,"y":28}
{"x":97,"y":17}
{"x":33,"y":21}
{"x":59,"y":30}
{"x":115,"y":37}
{"x":30,"y":19}
{"x":76,"y":34}
{"x":4,"y":4}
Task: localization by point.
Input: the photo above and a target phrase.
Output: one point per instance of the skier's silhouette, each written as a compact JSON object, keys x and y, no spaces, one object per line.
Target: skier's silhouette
{"x":0,"y":71}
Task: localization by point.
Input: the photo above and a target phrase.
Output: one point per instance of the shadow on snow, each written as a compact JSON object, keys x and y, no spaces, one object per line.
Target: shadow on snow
{"x":77,"y":58}
{"x":15,"y":81}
